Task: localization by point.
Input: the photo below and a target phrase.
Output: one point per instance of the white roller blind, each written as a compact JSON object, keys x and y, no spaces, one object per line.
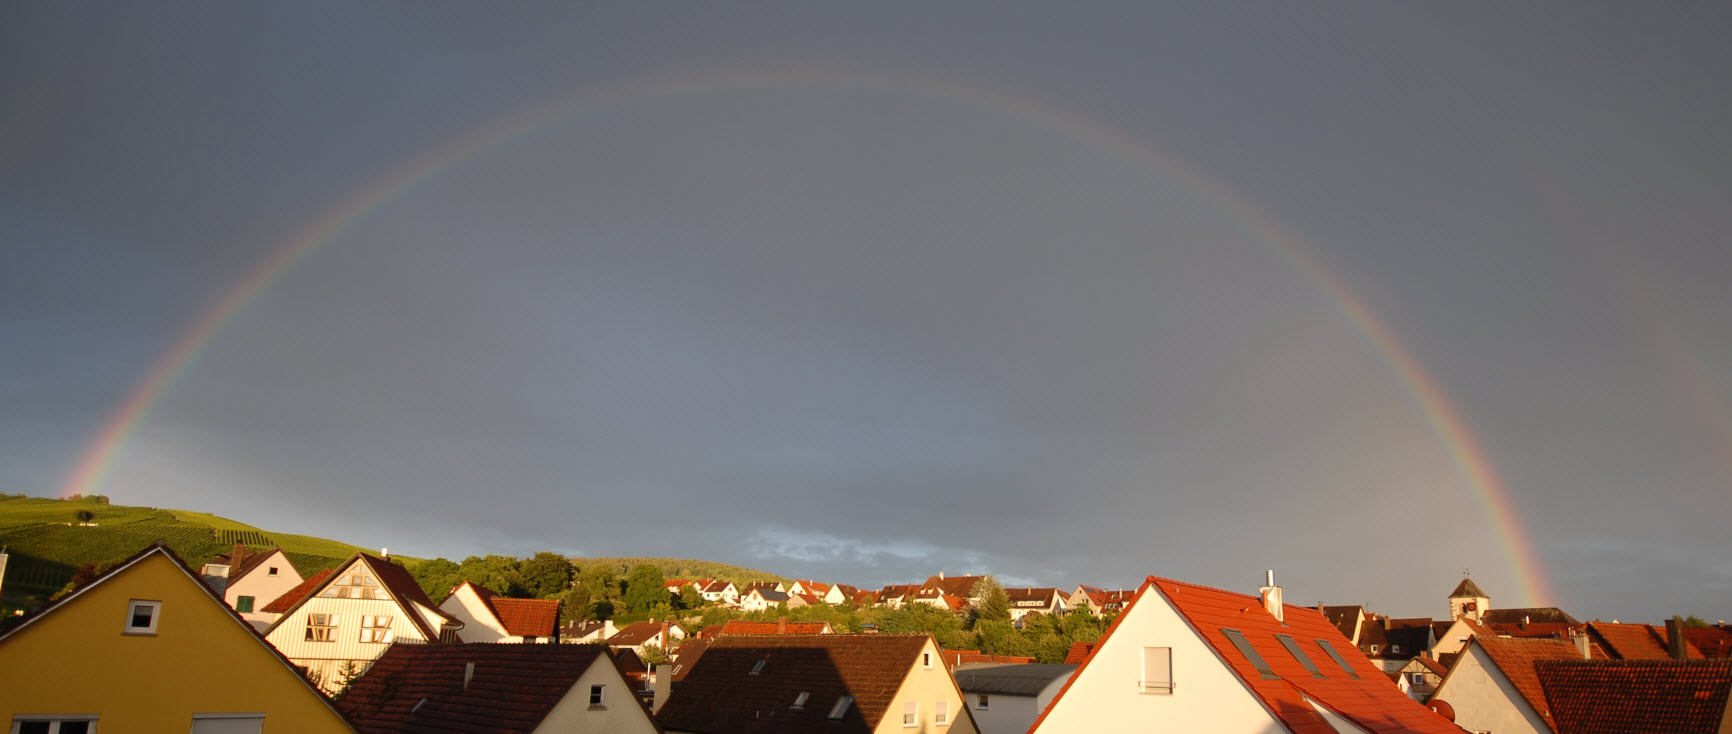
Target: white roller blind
{"x":228,"y":724}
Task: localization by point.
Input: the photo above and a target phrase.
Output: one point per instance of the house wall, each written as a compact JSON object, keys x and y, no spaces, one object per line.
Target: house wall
{"x":325,"y":660}
{"x":479,"y":624}
{"x":1207,"y":695}
{"x":927,"y":686}
{"x":1006,"y":714}
{"x":1452,"y":640}
{"x":622,"y":713}
{"x":75,"y":660}
{"x":263,"y":588}
{"x":1484,"y":700}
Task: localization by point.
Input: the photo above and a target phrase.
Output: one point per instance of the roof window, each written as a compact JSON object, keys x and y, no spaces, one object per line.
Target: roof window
{"x":1336,"y":656}
{"x":800,"y":700}
{"x":1292,"y":646}
{"x":1250,"y":653}
{"x":841,"y":707}
{"x":758,"y":667}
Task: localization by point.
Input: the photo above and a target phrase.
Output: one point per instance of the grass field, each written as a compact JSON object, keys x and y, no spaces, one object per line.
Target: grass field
{"x":46,"y":541}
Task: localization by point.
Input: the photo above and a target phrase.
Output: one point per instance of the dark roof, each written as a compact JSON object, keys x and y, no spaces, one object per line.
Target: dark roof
{"x":687,"y":657}
{"x":1346,"y":619}
{"x":513,"y":689}
{"x":769,"y":594}
{"x":1467,"y":589}
{"x":301,"y":591}
{"x":638,"y":633}
{"x":1714,"y":642}
{"x":1636,"y":696}
{"x":953,"y":585}
{"x":1010,"y":680}
{"x":1526,"y":614}
{"x":253,"y":560}
{"x":721,"y":695}
{"x":744,"y":627}
{"x":1043,"y":596}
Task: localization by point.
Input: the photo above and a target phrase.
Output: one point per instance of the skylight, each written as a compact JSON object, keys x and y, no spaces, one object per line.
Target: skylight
{"x":758,"y":667}
{"x":1333,"y":655}
{"x":1292,"y":646}
{"x":800,"y":700}
{"x":1250,"y":653}
{"x":841,"y":707}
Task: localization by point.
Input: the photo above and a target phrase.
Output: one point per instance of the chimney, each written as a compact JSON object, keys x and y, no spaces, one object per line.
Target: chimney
{"x":663,"y":685}
{"x":468,"y":674}
{"x":667,"y":642}
{"x":1272,"y":597}
{"x":781,"y":625}
{"x":1582,"y":646}
{"x":385,"y":553}
{"x":1675,"y":638}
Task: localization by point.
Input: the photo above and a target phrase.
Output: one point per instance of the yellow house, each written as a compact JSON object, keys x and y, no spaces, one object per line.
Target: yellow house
{"x":147,"y":648}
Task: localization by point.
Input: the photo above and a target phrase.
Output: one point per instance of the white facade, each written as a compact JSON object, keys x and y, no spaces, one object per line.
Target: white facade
{"x":1485,"y":700}
{"x":999,"y":713}
{"x":1205,"y":695}
{"x":618,"y":713}
{"x":347,"y":624}
{"x":269,"y":579}
{"x":480,"y":623}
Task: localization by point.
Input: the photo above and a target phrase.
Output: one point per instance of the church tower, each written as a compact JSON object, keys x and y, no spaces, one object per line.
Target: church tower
{"x":1468,"y":600}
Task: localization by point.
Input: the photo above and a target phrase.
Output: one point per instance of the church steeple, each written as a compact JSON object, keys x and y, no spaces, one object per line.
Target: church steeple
{"x":1468,"y":600}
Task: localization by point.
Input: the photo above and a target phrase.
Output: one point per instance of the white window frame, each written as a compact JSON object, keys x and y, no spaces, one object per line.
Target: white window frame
{"x":53,"y":720}
{"x":941,"y":713}
{"x":332,"y":623}
{"x":1161,"y":683}
{"x":228,"y":717}
{"x":597,"y":696}
{"x":148,"y":630}
{"x":910,"y":714}
{"x":375,"y":632}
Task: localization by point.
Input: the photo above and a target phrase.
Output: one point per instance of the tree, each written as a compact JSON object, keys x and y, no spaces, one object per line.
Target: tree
{"x":1695,"y":622}
{"x":690,"y":598}
{"x":84,"y":516}
{"x":575,"y":606}
{"x":437,"y":577}
{"x":644,"y":588}
{"x":993,"y":604}
{"x":502,"y":574}
{"x":547,"y":575}
{"x":653,"y":655}
{"x":600,"y":582}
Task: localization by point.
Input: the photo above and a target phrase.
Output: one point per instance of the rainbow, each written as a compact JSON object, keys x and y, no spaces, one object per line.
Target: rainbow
{"x":1470,"y":460}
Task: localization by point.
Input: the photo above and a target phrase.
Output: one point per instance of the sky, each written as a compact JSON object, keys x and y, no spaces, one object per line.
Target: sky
{"x":1368,"y":294}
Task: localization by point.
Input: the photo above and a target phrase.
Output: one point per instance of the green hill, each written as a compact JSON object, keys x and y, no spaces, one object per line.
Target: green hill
{"x":47,"y":541}
{"x":682,"y":568}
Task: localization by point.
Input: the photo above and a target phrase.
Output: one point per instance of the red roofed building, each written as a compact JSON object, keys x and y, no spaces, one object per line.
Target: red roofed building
{"x":1026,"y":601}
{"x":1183,"y":657}
{"x":495,"y":688}
{"x":1636,"y":641}
{"x":489,"y":617}
{"x":778,"y":627}
{"x":1637,"y":696}
{"x":848,"y":684}
{"x":1493,"y":687}
{"x":1714,"y":642}
{"x":294,"y":596}
{"x":1098,"y":602}
{"x":638,"y":635}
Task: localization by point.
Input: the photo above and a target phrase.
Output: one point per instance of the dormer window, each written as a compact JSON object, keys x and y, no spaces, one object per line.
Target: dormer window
{"x":141,"y":616}
{"x":1395,"y":649}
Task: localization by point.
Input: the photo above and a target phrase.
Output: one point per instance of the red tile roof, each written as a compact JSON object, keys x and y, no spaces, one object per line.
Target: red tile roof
{"x":743,"y":627}
{"x":253,"y":560}
{"x":953,"y":585}
{"x":1079,"y":651}
{"x":513,"y":689}
{"x":1636,"y":696}
{"x":1714,"y":642}
{"x":1369,"y":700}
{"x":520,"y":617}
{"x":1515,"y":658}
{"x":721,"y":694}
{"x":953,"y":658}
{"x":638,"y":633}
{"x":301,"y":591}
{"x":1636,"y":641}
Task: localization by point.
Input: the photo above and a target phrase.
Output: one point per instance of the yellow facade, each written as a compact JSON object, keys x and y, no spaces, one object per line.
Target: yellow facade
{"x":80,"y":659}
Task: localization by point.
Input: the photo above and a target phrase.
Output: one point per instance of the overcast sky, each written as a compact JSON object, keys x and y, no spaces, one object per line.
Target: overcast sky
{"x":1364,"y":293}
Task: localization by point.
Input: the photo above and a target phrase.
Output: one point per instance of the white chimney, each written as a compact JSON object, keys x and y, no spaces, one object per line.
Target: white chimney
{"x":385,"y":553}
{"x":1272,"y":597}
{"x":1582,"y":646}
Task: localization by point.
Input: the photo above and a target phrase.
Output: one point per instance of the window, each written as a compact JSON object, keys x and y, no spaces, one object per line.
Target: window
{"x":375,"y":628}
{"x":1395,"y":649}
{"x":910,"y":713}
{"x":597,"y":696}
{"x":272,"y":571}
{"x":926,"y":660}
{"x":800,"y":700}
{"x":1417,"y":679}
{"x":1157,"y":670}
{"x":1374,"y":649}
{"x":1293,"y":648}
{"x":45,"y":725}
{"x":1336,"y":656}
{"x":355,"y":586}
{"x":141,"y":616}
{"x":758,"y":667}
{"x":1238,"y":639}
{"x":322,"y":627}
{"x":981,"y":702}
{"x":244,"y":604}
{"x":941,"y":713}
{"x":841,"y":707}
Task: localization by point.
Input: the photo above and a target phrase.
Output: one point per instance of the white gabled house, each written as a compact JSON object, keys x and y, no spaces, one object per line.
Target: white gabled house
{"x":251,"y":579}
{"x":489,"y":617}
{"x":1182,"y":657}
{"x":345,"y":623}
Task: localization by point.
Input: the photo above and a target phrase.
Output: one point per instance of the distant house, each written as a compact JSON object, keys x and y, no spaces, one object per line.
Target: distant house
{"x":638,"y":635}
{"x":489,"y":617}
{"x":761,"y":599}
{"x":795,"y":601}
{"x":149,"y":647}
{"x":585,"y":632}
{"x":895,"y":595}
{"x":779,"y":627}
{"x":340,"y":627}
{"x":1183,"y":657}
{"x":1097,"y":601}
{"x":495,"y":688}
{"x":720,"y":592}
{"x":776,"y":684}
{"x":1714,"y":642}
{"x":1026,"y":601}
{"x":954,"y":659}
{"x":957,"y":586}
{"x":1006,"y":699}
{"x":250,"y":580}
{"x":1420,"y":677}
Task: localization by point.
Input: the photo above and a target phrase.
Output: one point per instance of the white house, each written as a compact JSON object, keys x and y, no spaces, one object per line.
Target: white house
{"x":489,"y":617}
{"x":1183,"y":657}
{"x":638,"y":635}
{"x":345,"y":623}
{"x":252,"y":579}
{"x":760,"y":599}
{"x":1493,"y":685}
{"x":1006,"y":699}
{"x":1026,"y":601}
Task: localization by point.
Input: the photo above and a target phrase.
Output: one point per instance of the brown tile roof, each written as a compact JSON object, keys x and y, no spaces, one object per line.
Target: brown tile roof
{"x":687,"y":657}
{"x":1467,"y":589}
{"x":743,"y":627}
{"x":1043,"y":596}
{"x":1527,"y":615}
{"x":953,"y":658}
{"x":253,"y":561}
{"x":419,"y":688}
{"x":1433,"y":665}
{"x":1558,"y":630}
{"x":1636,"y":641}
{"x":1714,"y":642}
{"x":1515,"y":658}
{"x":301,"y":591}
{"x":1345,"y":618}
{"x":897,"y":591}
{"x":953,"y":585}
{"x":520,"y":617}
{"x":1636,"y":696}
{"x":1079,"y":651}
{"x":638,"y":633}
{"x":721,"y":694}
